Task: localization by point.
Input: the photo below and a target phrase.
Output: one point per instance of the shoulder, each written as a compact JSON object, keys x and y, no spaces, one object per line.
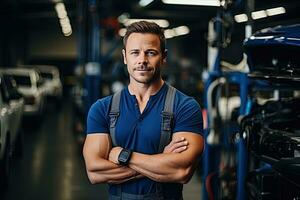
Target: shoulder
{"x":101,"y":105}
{"x":187,"y":114}
{"x":183,"y":101}
{"x":103,"y":102}
{"x":97,"y":119}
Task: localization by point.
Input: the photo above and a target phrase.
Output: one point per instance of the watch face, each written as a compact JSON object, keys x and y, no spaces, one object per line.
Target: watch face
{"x":124,"y":156}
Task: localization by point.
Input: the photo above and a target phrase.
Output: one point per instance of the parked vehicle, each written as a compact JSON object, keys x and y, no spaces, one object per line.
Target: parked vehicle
{"x":31,"y":86}
{"x":51,"y":77}
{"x":11,"y":137}
{"x":16,"y":103}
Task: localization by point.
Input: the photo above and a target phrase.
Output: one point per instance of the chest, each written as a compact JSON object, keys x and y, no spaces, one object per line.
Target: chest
{"x":139,"y":131}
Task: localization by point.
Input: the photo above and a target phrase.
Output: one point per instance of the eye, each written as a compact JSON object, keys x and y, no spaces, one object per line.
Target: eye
{"x":135,"y":53}
{"x":151,"y":53}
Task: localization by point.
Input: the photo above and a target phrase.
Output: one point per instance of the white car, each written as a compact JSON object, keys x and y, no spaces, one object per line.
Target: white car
{"x":11,"y":135}
{"x":51,"y":77}
{"x":31,"y":86}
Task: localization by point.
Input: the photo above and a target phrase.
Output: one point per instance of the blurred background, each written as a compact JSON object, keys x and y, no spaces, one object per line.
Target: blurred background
{"x":57,"y":57}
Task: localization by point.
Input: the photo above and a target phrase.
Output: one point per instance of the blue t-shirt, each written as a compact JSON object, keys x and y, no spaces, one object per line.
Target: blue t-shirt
{"x":140,"y":132}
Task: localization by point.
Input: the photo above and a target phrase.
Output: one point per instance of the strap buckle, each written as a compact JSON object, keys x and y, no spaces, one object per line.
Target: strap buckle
{"x":113,"y":118}
{"x":166,"y":121}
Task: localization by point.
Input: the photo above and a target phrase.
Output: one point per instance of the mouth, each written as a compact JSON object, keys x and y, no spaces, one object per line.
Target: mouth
{"x":143,"y":69}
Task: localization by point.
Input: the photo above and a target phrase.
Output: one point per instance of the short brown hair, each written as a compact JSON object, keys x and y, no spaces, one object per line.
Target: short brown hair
{"x":146,"y":27}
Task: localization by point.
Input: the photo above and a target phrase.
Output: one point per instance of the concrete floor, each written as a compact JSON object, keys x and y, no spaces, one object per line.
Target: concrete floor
{"x":52,"y":166}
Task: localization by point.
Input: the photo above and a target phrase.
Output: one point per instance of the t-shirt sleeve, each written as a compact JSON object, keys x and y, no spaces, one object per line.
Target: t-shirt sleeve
{"x":96,"y":119}
{"x":188,"y":117}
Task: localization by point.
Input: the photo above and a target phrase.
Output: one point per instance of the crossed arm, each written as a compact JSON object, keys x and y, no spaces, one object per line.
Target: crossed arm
{"x":175,"y":164}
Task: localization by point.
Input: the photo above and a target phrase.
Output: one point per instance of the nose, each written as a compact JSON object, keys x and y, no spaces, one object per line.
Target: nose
{"x":143,"y":59}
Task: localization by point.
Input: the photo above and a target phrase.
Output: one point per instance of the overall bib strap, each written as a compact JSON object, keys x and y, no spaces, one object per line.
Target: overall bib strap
{"x":167,"y":119}
{"x":113,"y":116}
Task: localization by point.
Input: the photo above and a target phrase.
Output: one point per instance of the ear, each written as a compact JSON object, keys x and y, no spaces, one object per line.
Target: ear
{"x":124,"y":56}
{"x":164,"y":55}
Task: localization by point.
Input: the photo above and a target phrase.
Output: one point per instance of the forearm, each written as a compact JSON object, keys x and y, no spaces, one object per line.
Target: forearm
{"x":104,"y":171}
{"x":163,"y":167}
{"x":170,"y":167}
{"x":175,"y":164}
{"x":99,"y":168}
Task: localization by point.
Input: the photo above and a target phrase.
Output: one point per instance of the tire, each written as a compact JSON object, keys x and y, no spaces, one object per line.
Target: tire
{"x":5,"y":165}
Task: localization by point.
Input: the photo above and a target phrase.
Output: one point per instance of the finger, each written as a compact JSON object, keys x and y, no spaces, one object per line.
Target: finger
{"x":180,"y":149}
{"x":174,"y":144}
{"x":176,"y":140}
{"x":180,"y":139}
{"x":179,"y":145}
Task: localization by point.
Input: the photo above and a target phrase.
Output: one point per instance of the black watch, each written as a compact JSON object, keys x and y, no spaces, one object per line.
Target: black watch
{"x":124,"y":156}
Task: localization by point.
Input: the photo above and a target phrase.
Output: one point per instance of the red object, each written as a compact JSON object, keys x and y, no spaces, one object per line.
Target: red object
{"x":208,"y":185}
{"x":204,"y":116}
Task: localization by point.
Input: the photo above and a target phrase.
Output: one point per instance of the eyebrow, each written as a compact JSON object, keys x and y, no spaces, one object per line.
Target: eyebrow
{"x":145,"y":50}
{"x":134,"y":50}
{"x":152,"y":50}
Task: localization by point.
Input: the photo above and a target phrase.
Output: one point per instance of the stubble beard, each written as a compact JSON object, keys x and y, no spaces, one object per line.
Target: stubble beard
{"x":156,"y":76}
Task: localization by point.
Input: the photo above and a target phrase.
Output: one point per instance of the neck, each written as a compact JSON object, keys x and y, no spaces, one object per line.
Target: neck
{"x":144,"y":91}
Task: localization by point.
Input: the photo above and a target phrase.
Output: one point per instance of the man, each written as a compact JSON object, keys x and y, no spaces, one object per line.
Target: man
{"x":134,"y":168}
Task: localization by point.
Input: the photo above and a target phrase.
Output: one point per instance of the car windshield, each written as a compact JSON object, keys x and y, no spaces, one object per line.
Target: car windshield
{"x":46,"y":75}
{"x":22,"y":80}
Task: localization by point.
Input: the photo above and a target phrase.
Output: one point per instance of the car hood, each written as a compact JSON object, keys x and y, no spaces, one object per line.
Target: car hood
{"x":279,"y":35}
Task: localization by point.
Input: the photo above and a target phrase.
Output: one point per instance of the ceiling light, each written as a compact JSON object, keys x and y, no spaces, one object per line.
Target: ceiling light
{"x":241,"y":18}
{"x":258,"y":14}
{"x":68,"y":33}
{"x":122,"y":18}
{"x":63,"y":18}
{"x":144,"y":3}
{"x":181,"y":30}
{"x":275,"y":11}
{"x":174,"y":32}
{"x":193,"y":2}
{"x":169,"y":33}
{"x":61,"y":10}
{"x":122,"y":32}
{"x":161,"y":22}
{"x":64,"y":21}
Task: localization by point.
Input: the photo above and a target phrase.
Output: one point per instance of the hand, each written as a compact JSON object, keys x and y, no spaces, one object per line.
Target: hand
{"x":114,"y":154}
{"x":177,"y":145}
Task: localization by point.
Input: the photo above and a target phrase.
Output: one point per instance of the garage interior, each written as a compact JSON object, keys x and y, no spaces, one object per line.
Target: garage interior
{"x":238,"y":58}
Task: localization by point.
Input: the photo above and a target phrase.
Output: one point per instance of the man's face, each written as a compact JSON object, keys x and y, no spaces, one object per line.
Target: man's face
{"x":143,"y":57}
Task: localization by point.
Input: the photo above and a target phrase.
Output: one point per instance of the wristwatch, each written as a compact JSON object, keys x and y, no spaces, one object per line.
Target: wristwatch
{"x":124,"y":156}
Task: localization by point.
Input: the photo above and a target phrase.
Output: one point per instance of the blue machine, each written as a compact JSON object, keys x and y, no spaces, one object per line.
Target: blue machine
{"x":273,"y":54}
{"x":273,"y":57}
{"x":274,"y":63}
{"x":212,"y":150}
{"x":212,"y":153}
